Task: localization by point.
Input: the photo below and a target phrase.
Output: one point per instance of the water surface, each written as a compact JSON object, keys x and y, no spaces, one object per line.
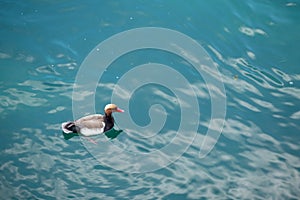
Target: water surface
{"x":255,"y":45}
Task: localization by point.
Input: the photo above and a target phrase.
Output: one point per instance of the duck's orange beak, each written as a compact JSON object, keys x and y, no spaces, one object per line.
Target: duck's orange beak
{"x":119,"y":110}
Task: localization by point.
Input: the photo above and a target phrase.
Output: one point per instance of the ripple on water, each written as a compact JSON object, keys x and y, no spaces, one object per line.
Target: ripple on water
{"x":33,"y":93}
{"x":33,"y":162}
{"x":13,"y":97}
{"x":251,"y":31}
{"x":54,"y":86}
{"x":259,"y":76}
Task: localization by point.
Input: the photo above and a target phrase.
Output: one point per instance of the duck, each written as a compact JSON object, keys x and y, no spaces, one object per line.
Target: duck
{"x":92,"y":124}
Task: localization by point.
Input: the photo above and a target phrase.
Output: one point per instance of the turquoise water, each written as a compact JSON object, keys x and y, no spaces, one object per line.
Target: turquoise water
{"x":255,"y":45}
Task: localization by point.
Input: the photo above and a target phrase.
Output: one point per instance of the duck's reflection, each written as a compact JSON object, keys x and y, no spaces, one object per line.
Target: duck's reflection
{"x":111,"y":134}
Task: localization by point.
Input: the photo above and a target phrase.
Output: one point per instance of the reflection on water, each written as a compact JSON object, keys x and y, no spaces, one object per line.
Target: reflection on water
{"x":111,"y":134}
{"x":68,"y":136}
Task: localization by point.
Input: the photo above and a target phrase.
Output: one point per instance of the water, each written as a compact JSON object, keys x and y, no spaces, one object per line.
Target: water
{"x":255,"y":45}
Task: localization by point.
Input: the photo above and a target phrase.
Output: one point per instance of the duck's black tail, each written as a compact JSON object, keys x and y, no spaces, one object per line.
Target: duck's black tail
{"x":69,"y":127}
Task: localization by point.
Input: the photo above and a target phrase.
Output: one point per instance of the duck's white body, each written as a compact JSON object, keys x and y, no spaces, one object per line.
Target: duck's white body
{"x":92,"y":124}
{"x":89,"y":125}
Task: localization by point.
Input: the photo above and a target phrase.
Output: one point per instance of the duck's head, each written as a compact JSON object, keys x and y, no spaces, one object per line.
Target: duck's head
{"x":110,"y":108}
